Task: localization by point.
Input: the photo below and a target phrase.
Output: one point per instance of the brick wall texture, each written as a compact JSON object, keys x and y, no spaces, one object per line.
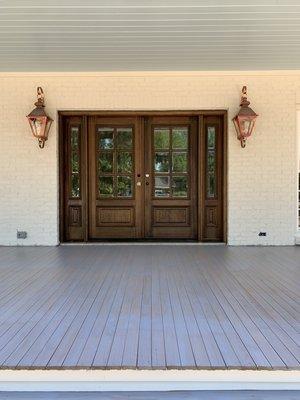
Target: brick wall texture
{"x":262,"y":178}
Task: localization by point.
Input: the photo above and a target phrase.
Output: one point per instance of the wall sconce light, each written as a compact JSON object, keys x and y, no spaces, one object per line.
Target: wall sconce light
{"x":245,"y":119}
{"x":39,"y":121}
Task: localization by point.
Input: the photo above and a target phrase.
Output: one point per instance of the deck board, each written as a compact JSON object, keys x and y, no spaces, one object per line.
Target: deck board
{"x":146,"y":306}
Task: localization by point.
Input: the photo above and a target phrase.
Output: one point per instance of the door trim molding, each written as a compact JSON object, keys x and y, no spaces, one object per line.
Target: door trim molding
{"x":143,"y":113}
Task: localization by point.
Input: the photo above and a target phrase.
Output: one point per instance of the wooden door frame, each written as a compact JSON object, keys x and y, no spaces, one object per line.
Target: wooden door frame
{"x":123,"y":113}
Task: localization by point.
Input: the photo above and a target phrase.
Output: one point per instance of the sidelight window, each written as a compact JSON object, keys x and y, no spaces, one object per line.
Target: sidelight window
{"x":75,"y":162}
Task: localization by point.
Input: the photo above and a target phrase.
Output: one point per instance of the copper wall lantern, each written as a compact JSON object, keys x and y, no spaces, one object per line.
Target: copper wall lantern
{"x":39,"y":121}
{"x":245,"y":119}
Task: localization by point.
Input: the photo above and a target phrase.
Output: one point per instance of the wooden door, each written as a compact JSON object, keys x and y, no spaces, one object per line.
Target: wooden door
{"x":115,"y":190}
{"x":142,"y":177}
{"x":171,"y":177}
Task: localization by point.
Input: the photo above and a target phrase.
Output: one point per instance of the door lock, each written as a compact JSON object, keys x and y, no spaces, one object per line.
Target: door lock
{"x":147,"y":175}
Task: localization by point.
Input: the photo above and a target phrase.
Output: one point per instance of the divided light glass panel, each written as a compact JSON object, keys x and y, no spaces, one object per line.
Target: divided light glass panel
{"x":115,"y":159}
{"x":211,"y":184}
{"x":180,"y":186}
{"x":171,"y":158}
{"x":179,"y":138}
{"x":106,"y":138}
{"x":75,"y":162}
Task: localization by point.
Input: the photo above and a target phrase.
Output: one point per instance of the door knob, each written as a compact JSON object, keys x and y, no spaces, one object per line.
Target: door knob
{"x":147,"y":175}
{"x":139,"y":183}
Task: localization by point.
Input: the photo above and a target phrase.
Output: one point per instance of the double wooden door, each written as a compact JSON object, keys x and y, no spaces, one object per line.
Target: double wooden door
{"x":130,"y":177}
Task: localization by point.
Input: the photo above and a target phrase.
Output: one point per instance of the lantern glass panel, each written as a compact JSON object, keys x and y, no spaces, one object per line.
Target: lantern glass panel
{"x":246,"y":126}
{"x":48,"y":124}
{"x":39,"y":127}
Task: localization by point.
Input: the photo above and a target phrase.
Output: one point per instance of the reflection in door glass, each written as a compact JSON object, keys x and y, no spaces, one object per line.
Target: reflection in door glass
{"x":75,"y":162}
{"x":211,"y":184}
{"x":124,"y":138}
{"x":162,"y":186}
{"x":161,"y":138}
{"x":124,"y":186}
{"x":125,"y":163}
{"x":75,"y":184}
{"x":179,"y":186}
{"x":106,"y":138}
{"x":106,"y":186}
{"x":179,"y":162}
{"x":74,"y":137}
{"x":106,"y":162}
{"x":162,"y":162}
{"x":180,"y":138}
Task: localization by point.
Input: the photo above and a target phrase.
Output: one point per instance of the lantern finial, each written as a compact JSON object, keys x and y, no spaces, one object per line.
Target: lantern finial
{"x":40,"y":97}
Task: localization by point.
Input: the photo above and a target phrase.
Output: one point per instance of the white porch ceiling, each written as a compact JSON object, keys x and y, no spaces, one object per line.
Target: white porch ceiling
{"x":120,"y":35}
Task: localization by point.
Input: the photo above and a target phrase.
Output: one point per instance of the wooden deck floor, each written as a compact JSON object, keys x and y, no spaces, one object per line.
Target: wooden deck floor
{"x":166,"y":306}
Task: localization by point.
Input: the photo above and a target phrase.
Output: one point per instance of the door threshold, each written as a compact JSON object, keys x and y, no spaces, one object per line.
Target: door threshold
{"x":113,"y":243}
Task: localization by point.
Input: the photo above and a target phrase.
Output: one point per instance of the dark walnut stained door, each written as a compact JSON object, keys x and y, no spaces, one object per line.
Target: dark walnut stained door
{"x":115,"y":190}
{"x":171,"y":177}
{"x":142,"y":177}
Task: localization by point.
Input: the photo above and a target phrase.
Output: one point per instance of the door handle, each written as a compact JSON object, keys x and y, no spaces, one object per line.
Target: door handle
{"x":139,"y":183}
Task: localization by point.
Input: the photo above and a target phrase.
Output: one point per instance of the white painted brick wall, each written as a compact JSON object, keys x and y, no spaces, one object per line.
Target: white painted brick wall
{"x":262,"y":178}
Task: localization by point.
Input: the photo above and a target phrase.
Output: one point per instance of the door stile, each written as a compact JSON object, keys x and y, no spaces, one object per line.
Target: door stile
{"x":91,"y":169}
{"x":194,"y":175}
{"x":140,"y":170}
{"x":139,"y":177}
{"x":147,"y":177}
{"x":85,"y":155}
{"x":201,"y":177}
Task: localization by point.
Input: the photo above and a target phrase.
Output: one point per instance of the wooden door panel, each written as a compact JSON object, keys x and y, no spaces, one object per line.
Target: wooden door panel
{"x":170,"y":177}
{"x":114,"y":166}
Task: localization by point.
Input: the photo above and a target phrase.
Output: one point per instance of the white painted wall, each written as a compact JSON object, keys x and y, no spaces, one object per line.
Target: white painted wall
{"x":298,"y":134}
{"x":262,"y":178}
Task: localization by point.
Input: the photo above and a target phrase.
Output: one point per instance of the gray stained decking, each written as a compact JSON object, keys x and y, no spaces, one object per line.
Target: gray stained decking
{"x":181,"y":395}
{"x":147,"y":306}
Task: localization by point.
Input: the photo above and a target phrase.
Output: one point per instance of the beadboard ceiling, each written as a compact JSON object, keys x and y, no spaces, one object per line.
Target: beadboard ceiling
{"x":126,"y":35}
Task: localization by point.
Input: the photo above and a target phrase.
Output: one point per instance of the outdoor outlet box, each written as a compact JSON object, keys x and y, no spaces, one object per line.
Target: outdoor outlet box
{"x":21,"y":235}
